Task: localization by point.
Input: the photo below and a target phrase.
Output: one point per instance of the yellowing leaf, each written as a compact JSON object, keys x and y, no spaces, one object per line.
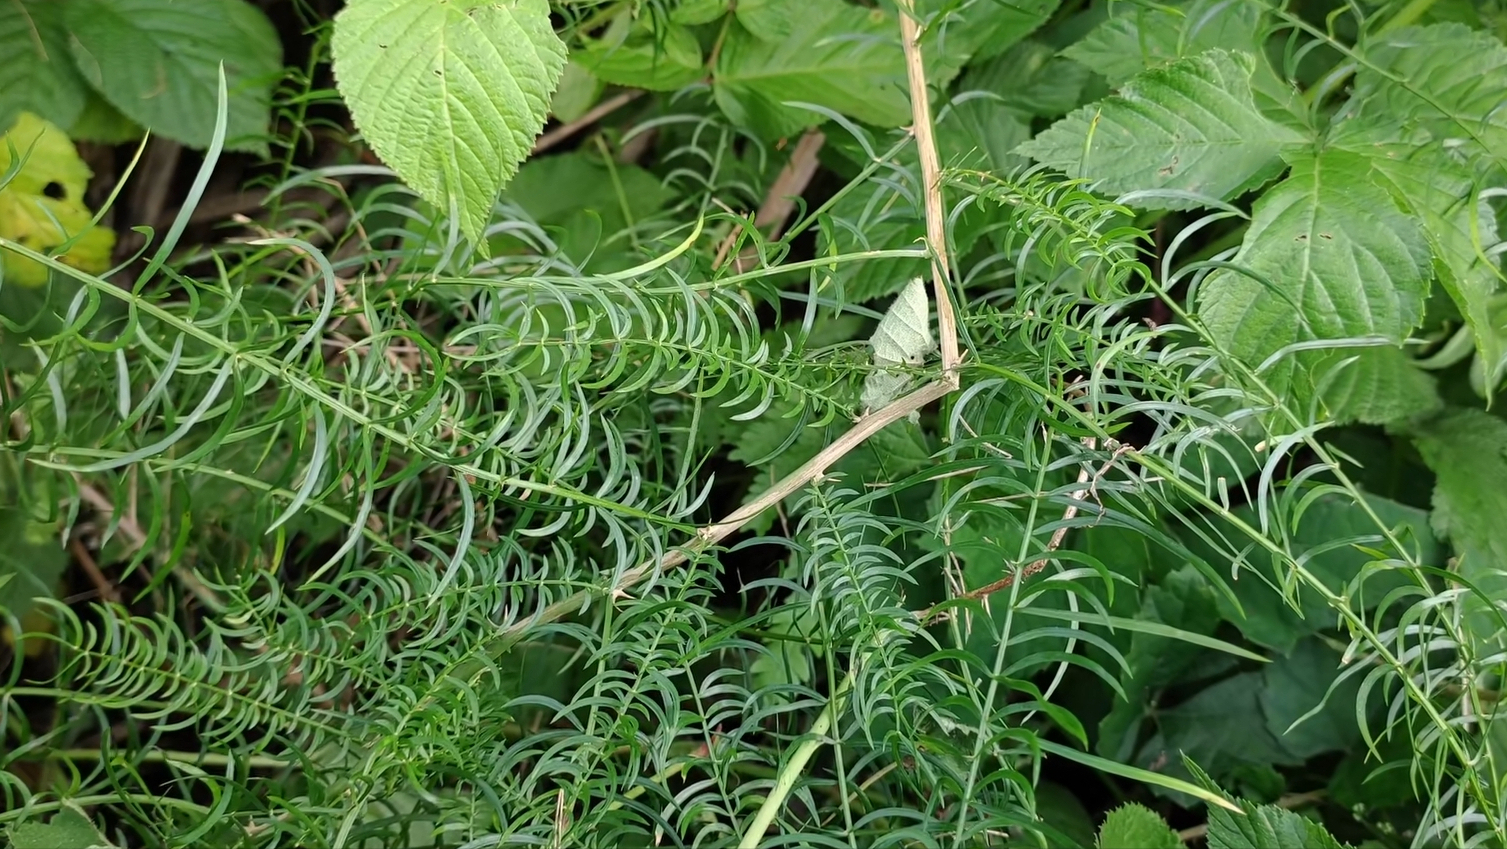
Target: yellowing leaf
{"x":46,"y":192}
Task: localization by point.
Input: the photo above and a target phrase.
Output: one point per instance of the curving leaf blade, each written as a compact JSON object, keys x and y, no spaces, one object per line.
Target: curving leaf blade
{"x":451,"y":95}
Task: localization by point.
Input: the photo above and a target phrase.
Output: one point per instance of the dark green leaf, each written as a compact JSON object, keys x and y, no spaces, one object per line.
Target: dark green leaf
{"x":158,"y":63}
{"x":37,"y":75}
{"x":1139,"y":36}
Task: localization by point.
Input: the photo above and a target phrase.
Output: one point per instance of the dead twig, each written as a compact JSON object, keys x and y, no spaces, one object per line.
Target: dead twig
{"x":779,"y":202}
{"x":597,"y":113}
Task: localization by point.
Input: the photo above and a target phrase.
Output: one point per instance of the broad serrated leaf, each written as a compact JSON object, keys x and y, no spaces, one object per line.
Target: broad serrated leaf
{"x":659,"y":59}
{"x":1133,"y":826}
{"x":1441,"y":193}
{"x":983,"y":29}
{"x":1030,"y":78}
{"x":158,"y":62}
{"x":1328,"y":255}
{"x":1140,"y":36}
{"x":36,"y":74}
{"x":451,"y":95}
{"x":1447,"y":78}
{"x":1266,"y":827}
{"x":1467,"y":449}
{"x":1191,"y":126}
{"x":1375,"y":385}
{"x":842,"y":57}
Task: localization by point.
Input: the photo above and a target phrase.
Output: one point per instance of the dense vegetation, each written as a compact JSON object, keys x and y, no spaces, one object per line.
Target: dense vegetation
{"x":850,"y":423}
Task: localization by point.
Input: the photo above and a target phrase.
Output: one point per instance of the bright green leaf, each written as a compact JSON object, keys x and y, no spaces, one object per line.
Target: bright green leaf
{"x":1267,"y":827}
{"x":158,"y":63}
{"x":1334,"y":249}
{"x":1191,"y":126}
{"x":36,"y":74}
{"x":473,"y":92}
{"x":1133,"y":826}
{"x":983,"y":29}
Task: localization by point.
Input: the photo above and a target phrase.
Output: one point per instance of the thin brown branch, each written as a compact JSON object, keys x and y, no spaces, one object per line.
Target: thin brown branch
{"x":931,"y":183}
{"x":779,"y":202}
{"x":931,"y":614}
{"x":597,"y":113}
{"x":86,"y":561}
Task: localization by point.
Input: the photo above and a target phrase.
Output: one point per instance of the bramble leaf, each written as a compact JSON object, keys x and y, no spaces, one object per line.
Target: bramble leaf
{"x":1440,"y":192}
{"x":1140,"y":36}
{"x":842,"y":57}
{"x":1467,"y":449}
{"x":158,"y":63}
{"x":1447,"y":78}
{"x":1192,"y":126}
{"x":1133,"y":826}
{"x":1341,"y":260}
{"x":450,"y":95}
{"x":639,"y":56}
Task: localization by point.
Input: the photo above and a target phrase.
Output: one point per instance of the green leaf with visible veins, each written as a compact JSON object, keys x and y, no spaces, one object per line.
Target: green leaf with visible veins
{"x":1191,"y":126}
{"x":1266,"y":827}
{"x":1138,"y":36}
{"x":841,"y":56}
{"x":37,"y":75}
{"x":1440,"y":191}
{"x":1133,"y":826}
{"x":451,"y":95}
{"x":1334,"y":249}
{"x":641,"y":57}
{"x":158,"y":63}
{"x":1447,"y":78}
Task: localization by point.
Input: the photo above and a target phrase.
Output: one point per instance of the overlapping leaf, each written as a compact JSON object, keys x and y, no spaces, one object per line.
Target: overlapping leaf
{"x":450,"y":94}
{"x":1191,"y":126}
{"x":158,"y":63}
{"x":1328,"y":255}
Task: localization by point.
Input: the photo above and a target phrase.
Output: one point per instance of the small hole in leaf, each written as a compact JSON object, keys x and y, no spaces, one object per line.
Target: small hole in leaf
{"x":53,"y":190}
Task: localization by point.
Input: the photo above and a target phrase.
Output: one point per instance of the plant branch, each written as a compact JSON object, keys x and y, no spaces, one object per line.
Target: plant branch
{"x":597,"y":113}
{"x":931,"y":189}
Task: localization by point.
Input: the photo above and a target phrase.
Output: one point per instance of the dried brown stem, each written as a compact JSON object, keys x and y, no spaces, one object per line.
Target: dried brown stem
{"x":779,"y":202}
{"x":931,"y":614}
{"x":931,"y":182}
{"x":597,"y":113}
